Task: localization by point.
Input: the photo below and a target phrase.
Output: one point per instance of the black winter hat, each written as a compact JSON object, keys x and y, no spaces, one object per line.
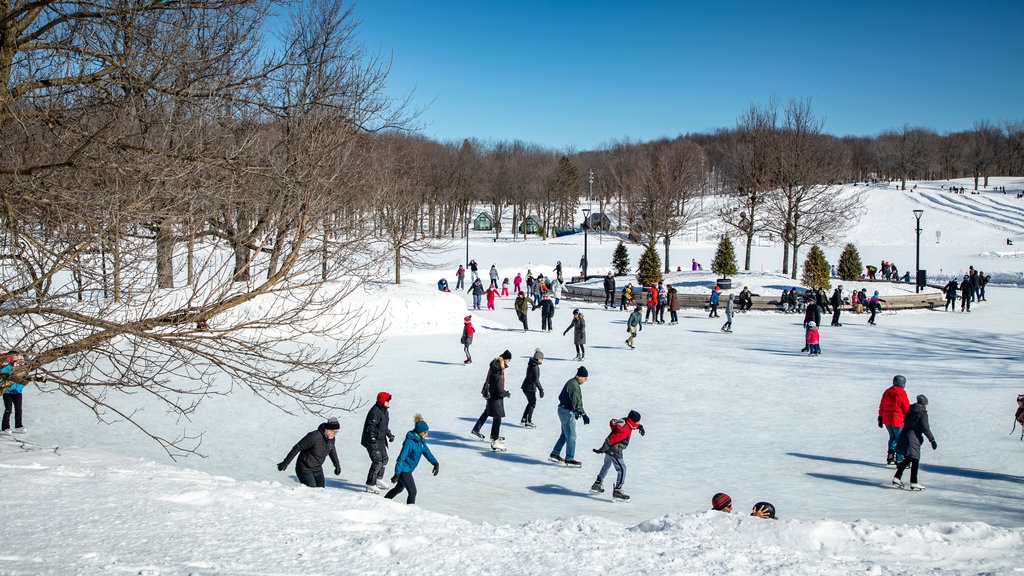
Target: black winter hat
{"x":581,"y":372}
{"x":899,"y":381}
{"x":922,"y":399}
{"x":506,"y":355}
{"x":634,"y":416}
{"x":332,"y":424}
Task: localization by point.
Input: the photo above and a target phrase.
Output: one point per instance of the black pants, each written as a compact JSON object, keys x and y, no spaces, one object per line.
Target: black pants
{"x":405,"y":482}
{"x":545,"y":323}
{"x":835,"y":316}
{"x":531,"y":403}
{"x":12,"y":402}
{"x":495,"y":424}
{"x":950,"y":303}
{"x":914,"y":463}
{"x":378,"y":461}
{"x":525,"y":321}
{"x":609,"y":298}
{"x":314,"y":478}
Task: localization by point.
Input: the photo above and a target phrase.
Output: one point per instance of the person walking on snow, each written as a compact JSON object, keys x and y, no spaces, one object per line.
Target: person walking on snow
{"x":312,"y":450}
{"x":531,"y":387}
{"x":376,"y":435}
{"x":613,"y":447}
{"x":730,"y":310}
{"x":570,"y":409}
{"x":634,"y":324}
{"x":13,"y":395}
{"x":891,"y":410}
{"x":467,"y":337}
{"x":414,"y":446}
{"x":547,"y":313}
{"x":908,"y":445}
{"x":579,"y":334}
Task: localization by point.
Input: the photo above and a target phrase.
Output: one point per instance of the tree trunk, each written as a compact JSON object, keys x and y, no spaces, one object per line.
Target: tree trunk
{"x":746,"y":257}
{"x":666,"y":242}
{"x":164,"y":254}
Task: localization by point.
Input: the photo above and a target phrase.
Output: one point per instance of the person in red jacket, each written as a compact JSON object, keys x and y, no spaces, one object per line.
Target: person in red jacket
{"x":891,"y":409}
{"x":467,"y":337}
{"x":614,"y":444}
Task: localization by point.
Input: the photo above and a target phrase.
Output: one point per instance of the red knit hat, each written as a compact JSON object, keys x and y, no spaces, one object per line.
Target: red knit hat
{"x":383,"y":397}
{"x":720,"y":501}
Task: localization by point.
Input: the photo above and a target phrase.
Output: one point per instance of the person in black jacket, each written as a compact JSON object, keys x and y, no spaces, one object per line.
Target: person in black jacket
{"x":547,"y":312}
{"x":376,"y":435}
{"x":312,"y":450}
{"x":532,"y":387}
{"x":494,"y":392}
{"x":908,"y":445}
{"x":965,"y":294}
{"x":950,"y":291}
{"x":811,"y":314}
{"x":609,"y":290}
{"x":837,"y":305}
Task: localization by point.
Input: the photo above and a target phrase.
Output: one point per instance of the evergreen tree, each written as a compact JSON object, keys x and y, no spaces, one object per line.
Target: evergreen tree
{"x":650,"y":267}
{"x":724,"y":263}
{"x":816,"y":270}
{"x":620,"y":260}
{"x":849,"y":263}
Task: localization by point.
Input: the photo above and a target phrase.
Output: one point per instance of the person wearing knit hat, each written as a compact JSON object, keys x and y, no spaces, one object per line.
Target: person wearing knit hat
{"x":612,"y":448}
{"x":891,"y":408}
{"x":467,"y":337}
{"x":531,"y":387}
{"x":494,"y":392}
{"x":312,"y":450}
{"x":634,"y":324}
{"x":570,"y":409}
{"x":915,"y":429}
{"x":413,"y":447}
{"x":375,"y":438}
{"x":721,"y":502}
{"x":579,"y":334}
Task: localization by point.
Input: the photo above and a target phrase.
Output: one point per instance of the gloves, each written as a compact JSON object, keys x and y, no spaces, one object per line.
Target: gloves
{"x":337,"y":470}
{"x":391,"y":437}
{"x":541,"y":393}
{"x":879,"y":421}
{"x":281,"y":466}
{"x":437,"y":468}
{"x":641,"y":429}
{"x":586,"y":419}
{"x":935,"y":445}
{"x":507,"y":394}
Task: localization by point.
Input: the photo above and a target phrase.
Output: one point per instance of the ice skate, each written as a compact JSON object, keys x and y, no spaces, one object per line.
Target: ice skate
{"x":530,"y":425}
{"x":498,"y":445}
{"x":897,"y":482}
{"x":20,"y":430}
{"x":597,"y":487}
{"x":618,"y":494}
{"x":383,"y":485}
{"x":556,"y":458}
{"x":476,"y":435}
{"x":372,"y":489}
{"x":573,"y":463}
{"x":916,"y":487}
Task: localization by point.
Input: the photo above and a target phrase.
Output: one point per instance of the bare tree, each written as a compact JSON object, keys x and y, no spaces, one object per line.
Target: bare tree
{"x":907,"y":152}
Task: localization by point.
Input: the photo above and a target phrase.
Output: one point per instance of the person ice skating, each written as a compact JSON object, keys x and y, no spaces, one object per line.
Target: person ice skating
{"x":504,"y":288}
{"x":813,"y":339}
{"x":494,"y":392}
{"x":517,"y":284}
{"x":375,"y":438}
{"x":531,"y":387}
{"x":460,"y":278}
{"x":965,"y":294}
{"x":721,"y":502}
{"x":837,"y":304}
{"x":613,"y":447}
{"x":652,"y":305}
{"x":609,"y":290}
{"x":659,"y":315}
{"x":891,"y":409}
{"x":558,"y":270}
{"x":764,"y":510}
{"x":950,"y":291}
{"x":13,"y":392}
{"x":522,"y":306}
{"x":627,"y":298}
{"x":874,"y":306}
{"x":492,"y":293}
{"x":493,"y":274}
{"x":579,"y":334}
{"x":713,"y":300}
{"x":730,"y":310}
{"x":547,"y":312}
{"x":693,"y":264}
{"x":477,"y":290}
{"x":414,"y":446}
{"x":811,"y":314}
{"x":634,"y":324}
{"x":467,"y":337}
{"x":570,"y":409}
{"x":474,"y":270}
{"x":312,"y":450}
{"x":908,"y":445}
{"x":673,"y":305}
{"x":556,"y":290}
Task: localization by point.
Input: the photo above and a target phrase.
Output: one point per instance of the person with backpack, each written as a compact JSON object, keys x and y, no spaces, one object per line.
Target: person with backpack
{"x":891,"y":409}
{"x":467,"y":337}
{"x":612,"y":448}
{"x":312,"y":450}
{"x":413,"y":447}
{"x":531,"y":387}
{"x":375,"y":438}
{"x":13,"y":392}
{"x":908,"y":445}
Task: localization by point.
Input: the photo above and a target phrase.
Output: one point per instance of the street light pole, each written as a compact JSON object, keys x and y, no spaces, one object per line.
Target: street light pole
{"x":917,"y":262}
{"x":590,"y":198}
{"x":467,"y":241}
{"x":586,"y":225}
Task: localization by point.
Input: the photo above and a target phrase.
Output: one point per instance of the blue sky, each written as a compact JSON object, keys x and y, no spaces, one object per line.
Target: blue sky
{"x":580,"y":75}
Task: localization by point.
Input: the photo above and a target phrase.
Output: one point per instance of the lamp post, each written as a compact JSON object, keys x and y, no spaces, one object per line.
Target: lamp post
{"x":467,"y":241}
{"x":590,"y":198}
{"x":586,"y":224}
{"x":917,"y":261}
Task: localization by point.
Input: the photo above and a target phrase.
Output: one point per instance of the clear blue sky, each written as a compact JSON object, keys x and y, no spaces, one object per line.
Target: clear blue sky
{"x":579,"y":75}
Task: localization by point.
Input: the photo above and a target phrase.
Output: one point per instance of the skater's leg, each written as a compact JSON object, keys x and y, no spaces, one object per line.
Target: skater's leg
{"x":620,"y":471}
{"x":914,"y":464}
{"x":496,"y":428}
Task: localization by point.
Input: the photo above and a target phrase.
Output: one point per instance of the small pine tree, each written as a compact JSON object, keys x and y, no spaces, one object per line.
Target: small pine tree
{"x":849,"y":263}
{"x":620,"y":260}
{"x":724,"y":263}
{"x":816,"y":270}
{"x":650,"y":267}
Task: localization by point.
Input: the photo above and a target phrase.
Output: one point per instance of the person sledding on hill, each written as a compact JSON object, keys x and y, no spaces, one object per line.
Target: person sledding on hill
{"x":414,"y":446}
{"x":614,"y":445}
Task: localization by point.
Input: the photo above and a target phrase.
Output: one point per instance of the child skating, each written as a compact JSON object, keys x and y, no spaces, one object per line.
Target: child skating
{"x":614,"y":445}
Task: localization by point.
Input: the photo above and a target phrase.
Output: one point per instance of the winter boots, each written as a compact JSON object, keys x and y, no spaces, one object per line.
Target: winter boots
{"x":597,"y":487}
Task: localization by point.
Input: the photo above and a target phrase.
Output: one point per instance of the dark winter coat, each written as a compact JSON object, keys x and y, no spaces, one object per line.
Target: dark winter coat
{"x":477,"y":288}
{"x":496,"y":392}
{"x":951,"y":289}
{"x":571,"y":397}
{"x":522,"y":305}
{"x":375,"y":428}
{"x":312,"y":450}
{"x":618,"y":438}
{"x":579,"y":334}
{"x":837,"y":299}
{"x":609,"y":284}
{"x":673,"y":300}
{"x":812,"y":314}
{"x":412,"y":448}
{"x":531,"y":383}
{"x":965,"y":289}
{"x":915,"y":428}
{"x":547,"y":308}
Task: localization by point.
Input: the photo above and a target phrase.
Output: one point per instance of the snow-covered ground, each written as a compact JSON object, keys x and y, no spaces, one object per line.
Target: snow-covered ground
{"x":742,"y":413}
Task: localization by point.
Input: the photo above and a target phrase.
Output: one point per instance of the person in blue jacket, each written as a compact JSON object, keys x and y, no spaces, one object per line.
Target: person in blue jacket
{"x":713,"y":300}
{"x":12,"y":393}
{"x":414,"y":446}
